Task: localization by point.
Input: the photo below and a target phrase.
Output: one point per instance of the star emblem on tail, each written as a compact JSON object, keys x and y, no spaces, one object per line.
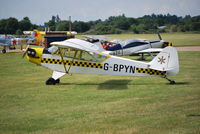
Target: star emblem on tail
{"x":161,"y":60}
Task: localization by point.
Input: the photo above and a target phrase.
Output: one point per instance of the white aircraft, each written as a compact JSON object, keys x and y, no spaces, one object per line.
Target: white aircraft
{"x":131,"y":46}
{"x":79,"y":56}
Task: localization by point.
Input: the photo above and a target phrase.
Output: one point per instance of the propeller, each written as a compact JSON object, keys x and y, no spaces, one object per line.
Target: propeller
{"x":25,"y":52}
{"x":159,"y":36}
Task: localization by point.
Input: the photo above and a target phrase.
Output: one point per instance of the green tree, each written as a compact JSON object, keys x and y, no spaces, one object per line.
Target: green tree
{"x":25,"y":24}
{"x":80,"y":26}
{"x":11,"y":25}
{"x":62,"y":26}
{"x":51,"y":23}
{"x":173,"y":28}
{"x":3,"y":24}
{"x":195,"y":26}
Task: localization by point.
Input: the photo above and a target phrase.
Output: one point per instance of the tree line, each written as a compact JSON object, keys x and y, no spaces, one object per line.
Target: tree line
{"x":13,"y":26}
{"x":112,"y":25}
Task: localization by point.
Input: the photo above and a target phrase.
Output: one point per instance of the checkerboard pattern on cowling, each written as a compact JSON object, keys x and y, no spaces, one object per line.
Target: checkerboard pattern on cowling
{"x":150,"y":71}
{"x":169,"y":44}
{"x":72,"y":63}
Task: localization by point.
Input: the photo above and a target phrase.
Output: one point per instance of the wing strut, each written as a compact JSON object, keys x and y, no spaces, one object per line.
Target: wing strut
{"x":63,"y":60}
{"x":72,"y":60}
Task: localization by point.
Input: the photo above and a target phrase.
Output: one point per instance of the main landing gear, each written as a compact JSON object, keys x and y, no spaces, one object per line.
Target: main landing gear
{"x":52,"y":81}
{"x":170,"y":81}
{"x":3,"y":51}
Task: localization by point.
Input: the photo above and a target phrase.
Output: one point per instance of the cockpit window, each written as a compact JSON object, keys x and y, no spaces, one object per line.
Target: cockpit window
{"x":79,"y":54}
{"x":90,"y":56}
{"x":134,"y":44}
{"x":52,"y":49}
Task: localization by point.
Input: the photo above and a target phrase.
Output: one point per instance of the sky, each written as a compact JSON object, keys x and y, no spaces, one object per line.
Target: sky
{"x":40,"y":11}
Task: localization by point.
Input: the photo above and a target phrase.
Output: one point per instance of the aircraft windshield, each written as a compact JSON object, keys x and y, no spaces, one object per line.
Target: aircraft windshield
{"x":133,"y":43}
{"x":52,"y":49}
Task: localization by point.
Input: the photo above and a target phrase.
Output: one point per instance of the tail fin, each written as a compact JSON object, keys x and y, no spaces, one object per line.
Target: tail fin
{"x":101,"y":49}
{"x":167,"y":60}
{"x":38,"y":37}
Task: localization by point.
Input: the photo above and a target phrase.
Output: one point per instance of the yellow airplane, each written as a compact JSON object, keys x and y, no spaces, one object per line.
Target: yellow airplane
{"x":38,"y":36}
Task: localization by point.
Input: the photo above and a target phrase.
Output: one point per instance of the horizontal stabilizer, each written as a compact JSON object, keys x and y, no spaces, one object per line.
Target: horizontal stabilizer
{"x":150,"y":50}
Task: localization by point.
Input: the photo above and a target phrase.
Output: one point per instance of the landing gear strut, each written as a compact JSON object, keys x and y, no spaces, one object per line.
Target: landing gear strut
{"x":52,"y":81}
{"x":170,"y":81}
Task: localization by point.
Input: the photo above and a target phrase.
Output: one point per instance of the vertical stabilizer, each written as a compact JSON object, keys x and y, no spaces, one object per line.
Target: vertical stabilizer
{"x":167,"y":60}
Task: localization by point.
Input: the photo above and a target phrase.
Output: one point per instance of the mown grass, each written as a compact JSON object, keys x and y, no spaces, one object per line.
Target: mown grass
{"x":96,"y":103}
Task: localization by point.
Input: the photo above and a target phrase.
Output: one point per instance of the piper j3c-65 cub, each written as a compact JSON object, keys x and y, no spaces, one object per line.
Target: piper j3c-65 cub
{"x":79,"y":56}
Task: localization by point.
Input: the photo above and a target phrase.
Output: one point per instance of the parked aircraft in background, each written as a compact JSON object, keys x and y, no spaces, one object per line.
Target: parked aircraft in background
{"x":131,"y":46}
{"x":9,"y":42}
{"x":39,"y":36}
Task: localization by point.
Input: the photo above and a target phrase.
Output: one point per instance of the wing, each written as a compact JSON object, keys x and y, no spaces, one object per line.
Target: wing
{"x":4,"y":44}
{"x":77,"y":44}
{"x":100,"y":38}
{"x":150,"y":50}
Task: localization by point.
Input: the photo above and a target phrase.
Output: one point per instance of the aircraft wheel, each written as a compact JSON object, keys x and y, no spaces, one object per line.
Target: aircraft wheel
{"x":172,"y":82}
{"x":50,"y":81}
{"x":4,"y":51}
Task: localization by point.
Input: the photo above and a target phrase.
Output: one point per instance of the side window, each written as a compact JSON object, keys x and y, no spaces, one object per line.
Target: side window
{"x":80,"y":55}
{"x":90,"y":56}
{"x":99,"y":58}
{"x":66,"y":52}
{"x":134,"y":44}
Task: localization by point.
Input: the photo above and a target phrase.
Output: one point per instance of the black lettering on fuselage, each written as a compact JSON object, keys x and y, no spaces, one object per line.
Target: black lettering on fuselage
{"x":132,"y":69}
{"x":119,"y":68}
{"x":115,"y":67}
{"x":127,"y":67}
{"x":105,"y":67}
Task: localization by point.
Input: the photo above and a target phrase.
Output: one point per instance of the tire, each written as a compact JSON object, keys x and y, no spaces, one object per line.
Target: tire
{"x":50,"y":81}
{"x":4,"y":51}
{"x":172,"y":82}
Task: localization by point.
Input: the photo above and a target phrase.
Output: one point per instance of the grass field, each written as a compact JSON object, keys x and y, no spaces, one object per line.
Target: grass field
{"x":97,"y":104}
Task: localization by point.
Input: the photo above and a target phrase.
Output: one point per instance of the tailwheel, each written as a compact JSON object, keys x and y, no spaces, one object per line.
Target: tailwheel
{"x":170,"y":81}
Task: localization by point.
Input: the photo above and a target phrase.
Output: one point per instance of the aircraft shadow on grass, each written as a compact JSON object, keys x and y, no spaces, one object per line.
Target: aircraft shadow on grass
{"x":121,"y":84}
{"x":107,"y":85}
{"x":114,"y":85}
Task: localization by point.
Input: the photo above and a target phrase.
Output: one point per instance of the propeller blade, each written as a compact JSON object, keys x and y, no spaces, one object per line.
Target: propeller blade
{"x":25,"y":51}
{"x":159,"y":36}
